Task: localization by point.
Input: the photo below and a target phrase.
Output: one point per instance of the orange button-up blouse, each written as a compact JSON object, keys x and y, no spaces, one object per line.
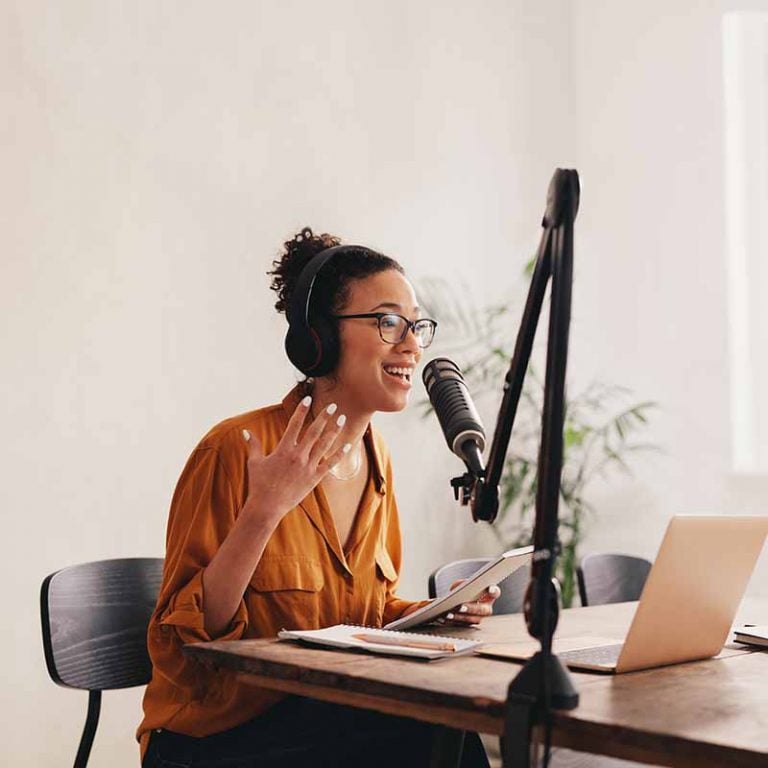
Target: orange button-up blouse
{"x":304,"y":580}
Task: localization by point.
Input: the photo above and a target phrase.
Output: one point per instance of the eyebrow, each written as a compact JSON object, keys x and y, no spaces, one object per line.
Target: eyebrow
{"x":391,"y":305}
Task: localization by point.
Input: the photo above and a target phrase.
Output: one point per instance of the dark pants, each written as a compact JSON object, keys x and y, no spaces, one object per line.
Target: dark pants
{"x":304,"y":733}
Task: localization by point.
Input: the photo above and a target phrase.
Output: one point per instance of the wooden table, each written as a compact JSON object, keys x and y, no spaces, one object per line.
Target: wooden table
{"x":701,"y":714}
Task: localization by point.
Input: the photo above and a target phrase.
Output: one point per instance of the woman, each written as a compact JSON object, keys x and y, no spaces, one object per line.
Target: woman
{"x":285,"y":517}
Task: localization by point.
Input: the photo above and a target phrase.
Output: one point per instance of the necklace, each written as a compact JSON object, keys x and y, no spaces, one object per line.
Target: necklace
{"x":352,"y":472}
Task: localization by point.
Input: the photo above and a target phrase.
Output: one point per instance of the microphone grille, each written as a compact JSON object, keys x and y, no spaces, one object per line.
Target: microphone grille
{"x":439,"y":369}
{"x":449,"y":396}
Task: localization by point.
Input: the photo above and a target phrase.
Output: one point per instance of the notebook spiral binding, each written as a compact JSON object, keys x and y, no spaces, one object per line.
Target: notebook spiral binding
{"x":405,"y":633}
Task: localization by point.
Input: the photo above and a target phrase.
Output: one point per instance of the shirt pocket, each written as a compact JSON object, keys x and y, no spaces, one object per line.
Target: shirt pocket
{"x":385,"y":568}
{"x":386,"y":576}
{"x":285,"y":593}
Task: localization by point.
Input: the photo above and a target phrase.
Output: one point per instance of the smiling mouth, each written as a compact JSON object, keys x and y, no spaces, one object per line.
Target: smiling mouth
{"x":397,"y":372}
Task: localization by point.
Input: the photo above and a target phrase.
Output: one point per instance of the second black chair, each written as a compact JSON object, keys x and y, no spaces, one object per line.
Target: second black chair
{"x":608,"y":578}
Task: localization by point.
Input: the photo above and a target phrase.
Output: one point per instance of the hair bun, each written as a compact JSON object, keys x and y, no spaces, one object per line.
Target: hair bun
{"x":297,"y":253}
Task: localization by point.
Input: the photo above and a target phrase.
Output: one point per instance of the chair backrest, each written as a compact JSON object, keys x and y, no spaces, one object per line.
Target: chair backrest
{"x":609,"y":578}
{"x":512,"y":588}
{"x":95,"y":618}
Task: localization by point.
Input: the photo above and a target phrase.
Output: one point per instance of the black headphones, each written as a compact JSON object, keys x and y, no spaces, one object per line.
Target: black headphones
{"x":313,"y":347}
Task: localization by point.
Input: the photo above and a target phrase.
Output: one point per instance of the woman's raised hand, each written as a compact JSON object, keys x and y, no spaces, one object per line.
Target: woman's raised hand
{"x":278,"y":482}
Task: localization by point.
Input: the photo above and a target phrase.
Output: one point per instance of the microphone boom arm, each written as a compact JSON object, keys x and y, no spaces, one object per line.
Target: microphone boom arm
{"x":543,"y":683}
{"x":485,"y":492}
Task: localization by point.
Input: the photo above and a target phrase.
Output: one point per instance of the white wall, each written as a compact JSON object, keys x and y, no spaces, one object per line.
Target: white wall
{"x":154,"y":156}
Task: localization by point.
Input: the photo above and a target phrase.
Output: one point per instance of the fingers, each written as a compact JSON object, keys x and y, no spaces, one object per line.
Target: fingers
{"x":470,"y":613}
{"x":296,"y":422}
{"x":488,"y":595}
{"x":316,"y":429}
{"x":475,"y":608}
{"x":460,"y":620}
{"x":492,"y":593}
{"x":328,"y":437}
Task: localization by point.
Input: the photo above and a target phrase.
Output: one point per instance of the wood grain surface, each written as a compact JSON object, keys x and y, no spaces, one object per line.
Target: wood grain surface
{"x":94,"y":619}
{"x":704,"y":714}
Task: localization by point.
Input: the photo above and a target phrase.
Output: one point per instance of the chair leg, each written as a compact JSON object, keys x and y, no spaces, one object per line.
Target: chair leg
{"x":89,"y":730}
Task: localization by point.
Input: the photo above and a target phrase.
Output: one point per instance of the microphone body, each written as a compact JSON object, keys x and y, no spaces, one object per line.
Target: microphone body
{"x":458,"y":417}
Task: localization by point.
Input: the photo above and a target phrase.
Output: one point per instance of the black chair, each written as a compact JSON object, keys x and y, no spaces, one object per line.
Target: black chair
{"x":512,"y":588}
{"x":611,"y":578}
{"x":95,"y":619}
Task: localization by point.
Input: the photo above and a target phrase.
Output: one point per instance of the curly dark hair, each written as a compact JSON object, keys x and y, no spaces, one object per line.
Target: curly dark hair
{"x":331,"y":289}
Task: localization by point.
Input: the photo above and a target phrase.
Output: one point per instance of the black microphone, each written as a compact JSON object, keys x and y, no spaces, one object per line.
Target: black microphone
{"x":456,"y":412}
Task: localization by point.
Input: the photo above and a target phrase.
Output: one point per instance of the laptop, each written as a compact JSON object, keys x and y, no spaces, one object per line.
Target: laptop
{"x":690,"y":598}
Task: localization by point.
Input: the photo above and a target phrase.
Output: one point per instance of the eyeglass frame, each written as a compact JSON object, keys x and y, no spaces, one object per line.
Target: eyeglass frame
{"x":410,"y":325}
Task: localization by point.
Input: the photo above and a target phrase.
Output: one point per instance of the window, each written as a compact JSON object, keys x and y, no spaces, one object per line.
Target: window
{"x":745,"y":69}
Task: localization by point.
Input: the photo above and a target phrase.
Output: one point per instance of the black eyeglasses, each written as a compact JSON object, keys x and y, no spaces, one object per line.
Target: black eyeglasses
{"x":394,"y":328}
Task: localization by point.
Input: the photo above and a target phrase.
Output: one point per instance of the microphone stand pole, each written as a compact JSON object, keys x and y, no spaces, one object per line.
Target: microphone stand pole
{"x":543,"y":684}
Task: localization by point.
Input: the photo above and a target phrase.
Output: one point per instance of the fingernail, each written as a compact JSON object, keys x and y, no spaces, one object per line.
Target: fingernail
{"x":341,"y":421}
{"x":463,"y":609}
{"x":246,"y":435}
{"x":306,"y":401}
{"x":494,"y":590}
{"x":331,"y":409}
{"x":449,"y":616}
{"x":347,"y":448}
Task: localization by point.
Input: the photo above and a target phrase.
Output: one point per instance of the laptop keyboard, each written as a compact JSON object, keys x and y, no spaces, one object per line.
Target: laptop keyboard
{"x":601,"y":654}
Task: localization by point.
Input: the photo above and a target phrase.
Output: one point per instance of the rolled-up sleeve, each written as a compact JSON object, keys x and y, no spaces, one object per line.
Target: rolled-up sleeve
{"x":186,"y":615}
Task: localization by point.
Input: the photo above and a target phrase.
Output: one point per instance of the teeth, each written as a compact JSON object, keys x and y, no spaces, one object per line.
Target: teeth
{"x":397,"y":371}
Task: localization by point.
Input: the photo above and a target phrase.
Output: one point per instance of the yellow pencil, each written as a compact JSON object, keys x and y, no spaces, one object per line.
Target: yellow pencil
{"x":407,"y":643}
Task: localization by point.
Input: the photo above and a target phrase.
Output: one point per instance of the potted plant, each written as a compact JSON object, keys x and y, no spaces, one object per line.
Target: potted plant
{"x":601,"y":430}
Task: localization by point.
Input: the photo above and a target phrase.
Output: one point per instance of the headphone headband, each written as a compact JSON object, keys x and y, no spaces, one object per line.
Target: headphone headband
{"x":302,"y":293}
{"x":313,"y":349}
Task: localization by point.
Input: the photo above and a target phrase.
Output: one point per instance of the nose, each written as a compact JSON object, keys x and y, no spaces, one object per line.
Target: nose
{"x":410,"y":345}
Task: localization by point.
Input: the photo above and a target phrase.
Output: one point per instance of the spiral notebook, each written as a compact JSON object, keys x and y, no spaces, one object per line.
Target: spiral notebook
{"x":383,"y":641}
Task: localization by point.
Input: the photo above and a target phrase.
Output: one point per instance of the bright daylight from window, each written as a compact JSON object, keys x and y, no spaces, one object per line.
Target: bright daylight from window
{"x":745,"y":70}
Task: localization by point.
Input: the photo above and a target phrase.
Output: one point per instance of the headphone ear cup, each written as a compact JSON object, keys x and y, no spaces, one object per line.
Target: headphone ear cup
{"x":314,"y":350}
{"x":312,"y":345}
{"x":326,"y":340}
{"x":302,"y":349}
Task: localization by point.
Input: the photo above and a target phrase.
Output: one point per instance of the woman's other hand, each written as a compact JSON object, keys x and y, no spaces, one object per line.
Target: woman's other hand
{"x":472,"y":613}
{"x":278,"y":482}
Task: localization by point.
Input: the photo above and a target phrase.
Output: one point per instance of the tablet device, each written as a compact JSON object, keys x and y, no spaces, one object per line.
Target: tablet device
{"x":493,"y":573}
